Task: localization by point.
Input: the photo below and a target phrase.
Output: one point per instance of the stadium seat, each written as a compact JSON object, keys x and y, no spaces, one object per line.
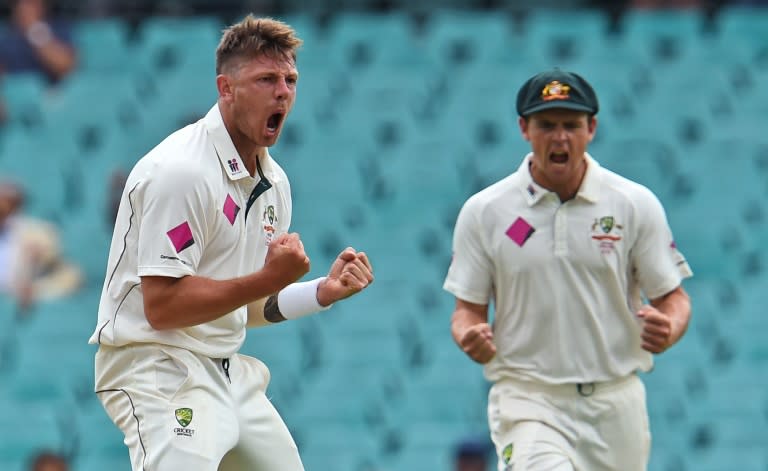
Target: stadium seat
{"x":22,"y":95}
{"x":337,"y":446}
{"x":742,"y":21}
{"x":563,"y":37}
{"x":429,"y":445}
{"x":752,"y":459}
{"x":742,"y":40}
{"x":456,"y":38}
{"x":177,"y":44}
{"x":100,"y":441}
{"x":663,"y":36}
{"x":358,"y":40}
{"x":26,"y":429}
{"x":103,"y":45}
{"x":39,"y":168}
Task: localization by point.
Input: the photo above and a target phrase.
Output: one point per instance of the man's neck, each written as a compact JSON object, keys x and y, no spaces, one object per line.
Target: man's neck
{"x":249,"y":152}
{"x":565,"y":191}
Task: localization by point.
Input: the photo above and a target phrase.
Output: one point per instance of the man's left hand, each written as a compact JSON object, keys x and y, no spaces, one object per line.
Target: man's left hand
{"x":350,"y":273}
{"x":657,"y":329}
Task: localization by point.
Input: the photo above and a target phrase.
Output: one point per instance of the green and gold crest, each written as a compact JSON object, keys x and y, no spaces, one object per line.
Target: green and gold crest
{"x":606,"y":223}
{"x":184,"y":416}
{"x":506,"y":454}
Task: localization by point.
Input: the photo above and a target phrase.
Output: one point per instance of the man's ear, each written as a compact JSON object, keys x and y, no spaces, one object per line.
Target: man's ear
{"x":224,"y":86}
{"x":592,"y":126}
{"x":523,"y":122}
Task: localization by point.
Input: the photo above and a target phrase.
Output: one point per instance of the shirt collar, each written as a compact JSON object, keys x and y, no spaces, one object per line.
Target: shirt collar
{"x":225,"y":149}
{"x":533,"y":192}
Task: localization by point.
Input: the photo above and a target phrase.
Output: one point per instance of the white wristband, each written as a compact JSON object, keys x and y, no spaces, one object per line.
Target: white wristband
{"x":300,"y":299}
{"x":39,"y":34}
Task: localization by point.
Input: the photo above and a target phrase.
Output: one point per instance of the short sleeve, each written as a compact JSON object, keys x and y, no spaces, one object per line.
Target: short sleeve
{"x":471,"y":271}
{"x":172,"y":223}
{"x":657,"y":263}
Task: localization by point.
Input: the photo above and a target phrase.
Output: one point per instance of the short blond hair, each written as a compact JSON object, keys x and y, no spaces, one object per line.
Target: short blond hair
{"x":252,"y":37}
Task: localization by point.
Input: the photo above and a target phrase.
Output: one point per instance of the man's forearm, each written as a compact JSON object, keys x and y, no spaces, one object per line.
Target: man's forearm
{"x":677,"y":305}
{"x":192,"y":300}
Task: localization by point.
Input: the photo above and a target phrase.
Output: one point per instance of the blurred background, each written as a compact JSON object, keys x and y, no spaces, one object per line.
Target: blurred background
{"x":404,"y":109}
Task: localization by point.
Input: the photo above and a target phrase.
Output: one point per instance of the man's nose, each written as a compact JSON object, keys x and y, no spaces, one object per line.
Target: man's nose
{"x":282,"y":90}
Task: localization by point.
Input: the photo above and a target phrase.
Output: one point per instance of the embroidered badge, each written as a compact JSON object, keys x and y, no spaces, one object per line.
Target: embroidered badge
{"x":184,"y":418}
{"x":506,"y":454}
{"x":269,"y":221}
{"x":604,"y":230}
{"x":555,"y":90}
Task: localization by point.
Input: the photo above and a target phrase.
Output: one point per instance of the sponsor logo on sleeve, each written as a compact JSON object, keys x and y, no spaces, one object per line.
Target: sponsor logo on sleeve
{"x":181,"y":237}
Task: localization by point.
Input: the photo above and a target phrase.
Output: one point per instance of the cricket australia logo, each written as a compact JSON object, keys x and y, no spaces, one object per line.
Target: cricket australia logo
{"x":184,"y":418}
{"x":606,"y":231}
{"x":506,"y":456}
{"x":268,"y":222}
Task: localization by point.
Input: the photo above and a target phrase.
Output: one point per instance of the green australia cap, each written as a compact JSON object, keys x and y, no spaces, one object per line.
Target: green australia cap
{"x":556,"y":89}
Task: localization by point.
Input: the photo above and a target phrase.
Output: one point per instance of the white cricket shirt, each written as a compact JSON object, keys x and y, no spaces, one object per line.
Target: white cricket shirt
{"x":565,"y":278}
{"x":183,"y":212}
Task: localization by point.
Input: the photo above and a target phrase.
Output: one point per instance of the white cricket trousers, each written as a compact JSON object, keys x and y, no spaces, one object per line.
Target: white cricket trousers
{"x":594,"y":427}
{"x":182,"y":411}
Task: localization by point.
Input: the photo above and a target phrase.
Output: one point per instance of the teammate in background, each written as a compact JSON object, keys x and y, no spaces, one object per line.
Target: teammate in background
{"x":200,"y":251}
{"x":36,"y":43}
{"x":471,"y":455}
{"x":32,"y":265}
{"x":566,"y":251}
{"x":48,"y":461}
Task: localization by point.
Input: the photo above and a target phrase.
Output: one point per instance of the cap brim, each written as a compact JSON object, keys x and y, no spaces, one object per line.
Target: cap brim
{"x":566,"y":105}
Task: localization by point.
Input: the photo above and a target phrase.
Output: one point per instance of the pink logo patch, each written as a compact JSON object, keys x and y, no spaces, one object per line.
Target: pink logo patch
{"x":231,"y":209}
{"x":181,"y":236}
{"x":520,"y":231}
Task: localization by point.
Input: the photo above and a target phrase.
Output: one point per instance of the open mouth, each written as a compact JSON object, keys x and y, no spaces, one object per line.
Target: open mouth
{"x":558,"y":157}
{"x":273,"y":122}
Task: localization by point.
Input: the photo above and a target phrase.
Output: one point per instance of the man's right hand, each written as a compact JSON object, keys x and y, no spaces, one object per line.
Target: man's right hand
{"x":286,"y":261}
{"x":477,"y":342}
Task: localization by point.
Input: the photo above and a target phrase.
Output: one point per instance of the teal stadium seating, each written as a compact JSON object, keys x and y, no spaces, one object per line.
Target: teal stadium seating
{"x":387,"y":139}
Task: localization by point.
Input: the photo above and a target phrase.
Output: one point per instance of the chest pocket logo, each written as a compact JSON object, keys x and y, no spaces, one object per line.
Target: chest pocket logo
{"x":268,"y":223}
{"x":606,"y":230}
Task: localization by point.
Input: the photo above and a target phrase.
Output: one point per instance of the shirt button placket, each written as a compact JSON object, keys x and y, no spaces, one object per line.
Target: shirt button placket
{"x":561,"y":231}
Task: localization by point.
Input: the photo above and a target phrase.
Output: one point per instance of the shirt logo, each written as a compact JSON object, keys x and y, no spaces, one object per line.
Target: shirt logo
{"x":506,"y":454}
{"x":233,"y":165}
{"x":181,"y":237}
{"x":231,"y":209}
{"x":603,"y":231}
{"x":166,"y":257}
{"x":184,"y":418}
{"x":268,"y":222}
{"x":520,"y":231}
